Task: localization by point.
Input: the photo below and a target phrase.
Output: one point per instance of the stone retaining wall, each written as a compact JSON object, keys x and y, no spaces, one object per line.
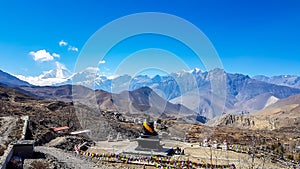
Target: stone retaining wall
{"x":22,"y":148}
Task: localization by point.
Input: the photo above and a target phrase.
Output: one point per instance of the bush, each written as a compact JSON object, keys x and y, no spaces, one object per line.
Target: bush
{"x":290,"y":157}
{"x":40,"y":165}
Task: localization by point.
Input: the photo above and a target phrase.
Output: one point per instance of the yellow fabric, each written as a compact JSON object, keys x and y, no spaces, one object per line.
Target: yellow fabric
{"x":148,"y":128}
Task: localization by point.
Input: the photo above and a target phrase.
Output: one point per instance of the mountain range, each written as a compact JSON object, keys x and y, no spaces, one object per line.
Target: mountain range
{"x":284,"y":114}
{"x":9,"y":80}
{"x":283,"y":80}
{"x":140,"y":101}
{"x":193,"y":89}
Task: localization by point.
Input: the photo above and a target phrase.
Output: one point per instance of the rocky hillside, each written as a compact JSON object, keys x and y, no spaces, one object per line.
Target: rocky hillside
{"x":143,"y":100}
{"x":284,"y":114}
{"x":45,"y":114}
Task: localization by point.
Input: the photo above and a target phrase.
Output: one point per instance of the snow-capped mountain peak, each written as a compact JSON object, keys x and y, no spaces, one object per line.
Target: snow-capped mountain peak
{"x":195,"y":70}
{"x":55,"y":76}
{"x":60,"y":72}
{"x":283,"y":80}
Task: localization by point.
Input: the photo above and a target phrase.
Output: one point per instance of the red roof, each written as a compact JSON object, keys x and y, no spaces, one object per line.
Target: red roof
{"x":60,"y":128}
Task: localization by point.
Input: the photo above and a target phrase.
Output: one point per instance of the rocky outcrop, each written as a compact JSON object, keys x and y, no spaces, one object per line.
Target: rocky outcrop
{"x":244,"y":121}
{"x":241,"y":120}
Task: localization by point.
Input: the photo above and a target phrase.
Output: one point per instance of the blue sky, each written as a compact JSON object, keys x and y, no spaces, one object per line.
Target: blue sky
{"x":251,"y":37}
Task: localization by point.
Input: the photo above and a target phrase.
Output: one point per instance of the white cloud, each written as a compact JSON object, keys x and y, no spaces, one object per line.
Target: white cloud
{"x":62,"y":43}
{"x":43,"y":55}
{"x":92,"y":69}
{"x":56,"y":55}
{"x":113,"y":76}
{"x":72,"y":48}
{"x":38,"y":81}
{"x":101,"y":62}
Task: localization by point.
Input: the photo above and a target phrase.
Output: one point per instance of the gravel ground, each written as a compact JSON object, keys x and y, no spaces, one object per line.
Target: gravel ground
{"x":68,"y":159}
